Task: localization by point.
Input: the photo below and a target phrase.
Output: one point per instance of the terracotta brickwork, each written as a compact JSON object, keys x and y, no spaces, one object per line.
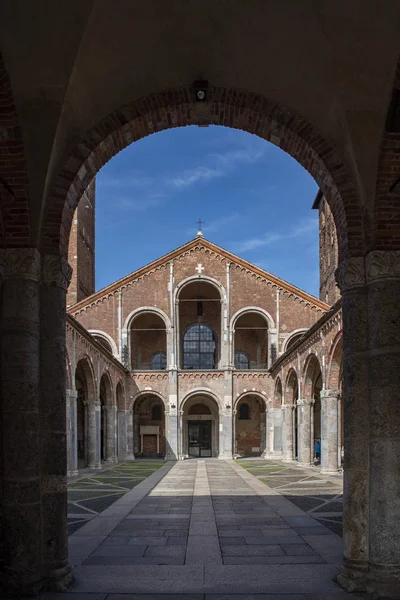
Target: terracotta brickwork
{"x":149,"y":287}
{"x":328,"y":252}
{"x":81,"y":249}
{"x":323,"y":342}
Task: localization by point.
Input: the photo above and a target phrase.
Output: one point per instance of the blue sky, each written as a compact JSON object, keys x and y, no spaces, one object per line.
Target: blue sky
{"x":255,"y":201}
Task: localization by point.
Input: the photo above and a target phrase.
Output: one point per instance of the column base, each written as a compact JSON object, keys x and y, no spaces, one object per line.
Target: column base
{"x":384,"y":581}
{"x":16,"y":584}
{"x":226,"y":456}
{"x":288,"y":460}
{"x":58,"y":580}
{"x":329,"y":471}
{"x":353,"y":577}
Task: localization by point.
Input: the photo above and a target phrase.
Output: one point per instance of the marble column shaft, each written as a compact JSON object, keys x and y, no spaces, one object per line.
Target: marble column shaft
{"x":56,"y":572}
{"x":329,"y":431}
{"x":72,"y":433}
{"x":305,"y":447}
{"x":91,"y":435}
{"x":20,"y":567}
{"x":351,"y":278}
{"x":110,"y":434}
{"x":287,"y":432}
{"x":383,"y":283}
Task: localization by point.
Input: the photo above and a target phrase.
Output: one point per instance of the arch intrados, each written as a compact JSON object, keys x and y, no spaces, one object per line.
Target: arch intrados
{"x":292,"y":378}
{"x":228,"y":107}
{"x":204,"y":394}
{"x":120,"y":394}
{"x":143,"y":393}
{"x":203,"y":279}
{"x":106,"y":381}
{"x":249,"y":310}
{"x":106,"y":337}
{"x":311,"y":368}
{"x":335,"y":360}
{"x":278,"y":386}
{"x":243,"y":395}
{"x":293,"y":334}
{"x":143,"y":310}
{"x":85,"y":363}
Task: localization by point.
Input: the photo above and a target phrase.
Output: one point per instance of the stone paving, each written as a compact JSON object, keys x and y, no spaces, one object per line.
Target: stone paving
{"x":320,"y":496}
{"x":90,"y":494}
{"x":204,"y":529}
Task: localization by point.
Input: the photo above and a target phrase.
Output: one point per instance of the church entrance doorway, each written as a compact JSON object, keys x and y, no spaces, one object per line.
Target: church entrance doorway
{"x":199,"y":436}
{"x":200,"y":427}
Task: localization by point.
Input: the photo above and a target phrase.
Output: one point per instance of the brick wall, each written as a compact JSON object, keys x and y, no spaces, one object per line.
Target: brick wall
{"x":328,"y":253}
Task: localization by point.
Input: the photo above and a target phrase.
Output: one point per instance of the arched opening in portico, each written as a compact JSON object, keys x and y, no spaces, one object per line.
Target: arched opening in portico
{"x":149,"y":426}
{"x":312,"y":389}
{"x":200,"y":426}
{"x":291,"y":397}
{"x":84,"y":385}
{"x":106,"y":419}
{"x":250,"y":429}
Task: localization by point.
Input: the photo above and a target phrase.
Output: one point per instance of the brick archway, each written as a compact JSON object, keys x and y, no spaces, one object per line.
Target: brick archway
{"x":227,"y":107}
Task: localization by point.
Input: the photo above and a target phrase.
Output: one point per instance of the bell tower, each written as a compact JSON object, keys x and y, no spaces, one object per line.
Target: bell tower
{"x":81,"y":249}
{"x":328,"y":251}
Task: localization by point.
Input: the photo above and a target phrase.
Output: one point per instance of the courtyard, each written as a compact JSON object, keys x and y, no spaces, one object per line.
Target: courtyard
{"x":205,"y":529}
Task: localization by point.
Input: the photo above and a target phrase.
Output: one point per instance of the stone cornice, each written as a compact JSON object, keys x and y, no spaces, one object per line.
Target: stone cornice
{"x":211,"y":249}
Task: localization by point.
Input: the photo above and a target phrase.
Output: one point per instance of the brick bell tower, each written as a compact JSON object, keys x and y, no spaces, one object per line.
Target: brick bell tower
{"x":81,"y":250}
{"x":328,"y":251}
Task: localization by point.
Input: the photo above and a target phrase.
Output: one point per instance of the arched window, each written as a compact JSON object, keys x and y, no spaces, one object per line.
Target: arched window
{"x":158,"y":361}
{"x":199,"y":347}
{"x":241,"y":360}
{"x":244,"y":412}
{"x":156,"y":412}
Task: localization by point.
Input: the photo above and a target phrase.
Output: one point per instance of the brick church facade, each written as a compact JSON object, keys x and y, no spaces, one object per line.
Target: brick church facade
{"x":201,"y":354}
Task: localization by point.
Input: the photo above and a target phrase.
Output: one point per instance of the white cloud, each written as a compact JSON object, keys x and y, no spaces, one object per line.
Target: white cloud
{"x":305,"y":229}
{"x":139,"y":191}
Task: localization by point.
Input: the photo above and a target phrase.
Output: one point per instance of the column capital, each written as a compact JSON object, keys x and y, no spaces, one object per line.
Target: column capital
{"x":350,"y":273}
{"x":382,"y":265}
{"x":20,"y":263}
{"x":329,"y":393}
{"x":305,"y":401}
{"x":56,"y":271}
{"x":288,"y":406}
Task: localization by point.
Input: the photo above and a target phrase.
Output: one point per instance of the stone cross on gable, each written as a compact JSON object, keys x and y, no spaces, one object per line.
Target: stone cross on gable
{"x":199,"y":268}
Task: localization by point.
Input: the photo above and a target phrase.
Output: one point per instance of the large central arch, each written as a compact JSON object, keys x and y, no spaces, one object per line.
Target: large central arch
{"x":227,"y":107}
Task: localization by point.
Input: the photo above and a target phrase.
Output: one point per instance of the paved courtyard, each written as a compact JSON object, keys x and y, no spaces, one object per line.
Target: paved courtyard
{"x":205,"y":530}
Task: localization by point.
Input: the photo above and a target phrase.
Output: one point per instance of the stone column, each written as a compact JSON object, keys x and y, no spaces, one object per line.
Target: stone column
{"x":225,"y":433}
{"x":133,"y":418}
{"x":56,"y":273}
{"x":171,"y":418}
{"x":287,"y":432}
{"x":329,"y":431}
{"x":20,"y":568}
{"x":110,"y":434}
{"x":383,"y":282}
{"x":351,"y":279}
{"x":269,"y":432}
{"x":72,"y":430}
{"x":305,"y":448}
{"x":98,"y":409}
{"x":91,"y":436}
{"x":130,"y":433}
{"x":225,"y":420}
